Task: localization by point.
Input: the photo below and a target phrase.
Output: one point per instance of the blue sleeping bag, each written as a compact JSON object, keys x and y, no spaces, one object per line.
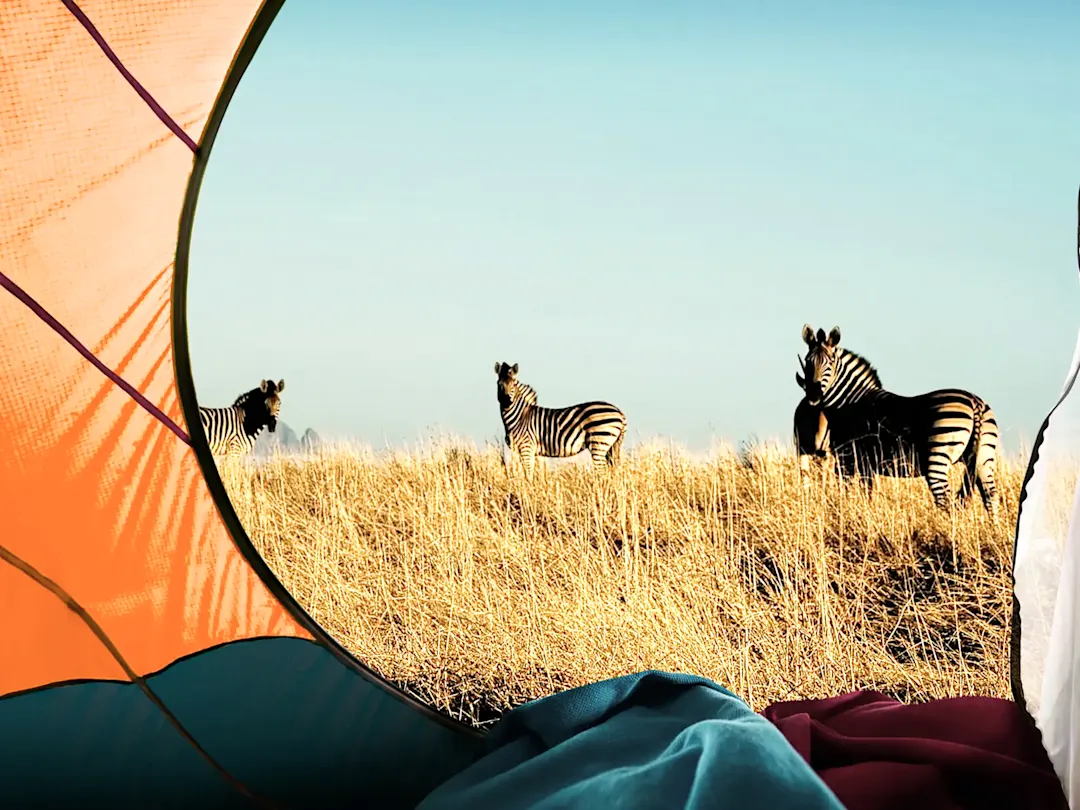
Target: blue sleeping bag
{"x":650,"y":740}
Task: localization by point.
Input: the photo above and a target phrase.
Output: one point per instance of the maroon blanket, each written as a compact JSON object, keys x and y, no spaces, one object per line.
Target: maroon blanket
{"x":963,"y":753}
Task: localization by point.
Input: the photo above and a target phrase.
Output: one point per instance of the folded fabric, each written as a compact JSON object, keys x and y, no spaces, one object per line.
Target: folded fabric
{"x":876,"y":753}
{"x":650,"y":740}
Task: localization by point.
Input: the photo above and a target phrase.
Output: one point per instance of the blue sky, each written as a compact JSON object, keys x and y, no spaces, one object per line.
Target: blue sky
{"x":641,"y":203}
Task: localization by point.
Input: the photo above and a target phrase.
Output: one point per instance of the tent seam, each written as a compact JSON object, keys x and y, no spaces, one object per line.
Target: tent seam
{"x":61,"y":330}
{"x":44,"y":687}
{"x":144,"y":94}
{"x":189,"y":402}
{"x":69,"y":601}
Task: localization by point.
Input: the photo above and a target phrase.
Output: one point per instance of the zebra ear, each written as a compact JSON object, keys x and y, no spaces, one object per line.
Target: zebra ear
{"x":834,"y":336}
{"x":281,"y":386}
{"x":808,"y":334}
{"x":498,"y":367}
{"x":262,"y":386}
{"x":799,"y":379}
{"x":514,"y":368}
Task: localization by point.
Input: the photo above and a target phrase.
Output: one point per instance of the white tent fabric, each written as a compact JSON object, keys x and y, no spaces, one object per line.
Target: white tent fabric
{"x":1046,"y":569}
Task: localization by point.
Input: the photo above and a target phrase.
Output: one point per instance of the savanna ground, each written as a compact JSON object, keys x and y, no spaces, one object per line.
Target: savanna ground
{"x":476,"y":593}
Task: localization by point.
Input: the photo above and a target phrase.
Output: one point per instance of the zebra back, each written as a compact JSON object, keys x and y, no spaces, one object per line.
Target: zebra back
{"x":566,"y":431}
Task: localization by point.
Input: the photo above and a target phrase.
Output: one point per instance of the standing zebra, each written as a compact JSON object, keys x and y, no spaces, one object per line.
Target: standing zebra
{"x":846,"y":410}
{"x":232,"y":431}
{"x":533,"y":430}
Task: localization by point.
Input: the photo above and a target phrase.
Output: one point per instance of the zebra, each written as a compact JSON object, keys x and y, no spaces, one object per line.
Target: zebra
{"x":847,"y":412}
{"x":811,"y":433}
{"x":232,"y":431}
{"x":533,"y":430}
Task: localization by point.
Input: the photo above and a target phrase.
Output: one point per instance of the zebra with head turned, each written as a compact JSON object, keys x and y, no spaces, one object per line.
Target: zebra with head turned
{"x":845,"y":411}
{"x":232,"y":431}
{"x":533,"y":430}
{"x":811,"y":432}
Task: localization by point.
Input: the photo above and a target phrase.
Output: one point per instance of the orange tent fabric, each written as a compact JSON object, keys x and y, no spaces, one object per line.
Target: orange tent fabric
{"x":145,"y":551}
{"x":119,"y":553}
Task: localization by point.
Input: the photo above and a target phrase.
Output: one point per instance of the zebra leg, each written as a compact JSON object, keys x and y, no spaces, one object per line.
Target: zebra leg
{"x":804,"y":471}
{"x":950,"y":437}
{"x":600,"y":450}
{"x":614,"y":451}
{"x":812,"y":467}
{"x":511,"y":453}
{"x":963,"y":495}
{"x":937,"y":478}
{"x":987,"y":486}
{"x":528,"y":461}
{"x":983,"y":474}
{"x":869,"y":481}
{"x":979,"y":474}
{"x":986,"y":461}
{"x":967,"y":485}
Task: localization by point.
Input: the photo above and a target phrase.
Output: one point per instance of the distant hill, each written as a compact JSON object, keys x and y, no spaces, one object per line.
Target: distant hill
{"x":310,"y":441}
{"x":285,"y":440}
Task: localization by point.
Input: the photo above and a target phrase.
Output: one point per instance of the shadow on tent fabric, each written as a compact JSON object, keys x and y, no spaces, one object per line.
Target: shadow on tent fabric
{"x":650,"y":740}
{"x":876,"y":753}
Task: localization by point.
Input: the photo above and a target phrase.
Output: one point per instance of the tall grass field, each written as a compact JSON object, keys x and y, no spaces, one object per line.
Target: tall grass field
{"x":475,"y":591}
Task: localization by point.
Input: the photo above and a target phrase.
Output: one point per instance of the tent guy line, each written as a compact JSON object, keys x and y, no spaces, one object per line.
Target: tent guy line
{"x":144,"y":94}
{"x":59,"y":328}
{"x":69,"y":601}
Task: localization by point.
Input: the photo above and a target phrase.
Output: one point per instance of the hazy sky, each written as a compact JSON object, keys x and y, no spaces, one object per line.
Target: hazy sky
{"x":641,"y":203}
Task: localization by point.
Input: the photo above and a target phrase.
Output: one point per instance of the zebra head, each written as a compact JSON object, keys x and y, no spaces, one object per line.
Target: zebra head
{"x":509,"y":389}
{"x":819,"y":364}
{"x":261,"y":406}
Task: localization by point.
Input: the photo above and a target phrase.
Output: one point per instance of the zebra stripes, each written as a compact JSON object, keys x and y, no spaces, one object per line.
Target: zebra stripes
{"x":846,"y":411}
{"x":533,"y":430}
{"x":232,"y":431}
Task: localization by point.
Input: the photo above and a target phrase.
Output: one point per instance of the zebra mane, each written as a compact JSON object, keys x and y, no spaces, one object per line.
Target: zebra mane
{"x":247,"y":396}
{"x":858,"y":361}
{"x":528,"y":393}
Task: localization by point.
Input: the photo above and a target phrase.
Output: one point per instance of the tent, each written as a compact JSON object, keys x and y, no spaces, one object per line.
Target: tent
{"x":149,"y":657}
{"x":1045,"y":655}
{"x":144,"y":642}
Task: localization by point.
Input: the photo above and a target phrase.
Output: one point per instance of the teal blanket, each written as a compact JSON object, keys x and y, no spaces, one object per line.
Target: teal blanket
{"x":650,"y":740}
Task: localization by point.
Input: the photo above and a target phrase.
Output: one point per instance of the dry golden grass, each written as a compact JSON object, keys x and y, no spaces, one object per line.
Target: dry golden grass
{"x":476,"y":593}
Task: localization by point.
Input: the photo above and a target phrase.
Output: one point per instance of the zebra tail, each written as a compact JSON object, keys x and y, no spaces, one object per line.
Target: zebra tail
{"x":971,"y":451}
{"x":975,"y":449}
{"x":986,"y":413}
{"x":976,"y":428}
